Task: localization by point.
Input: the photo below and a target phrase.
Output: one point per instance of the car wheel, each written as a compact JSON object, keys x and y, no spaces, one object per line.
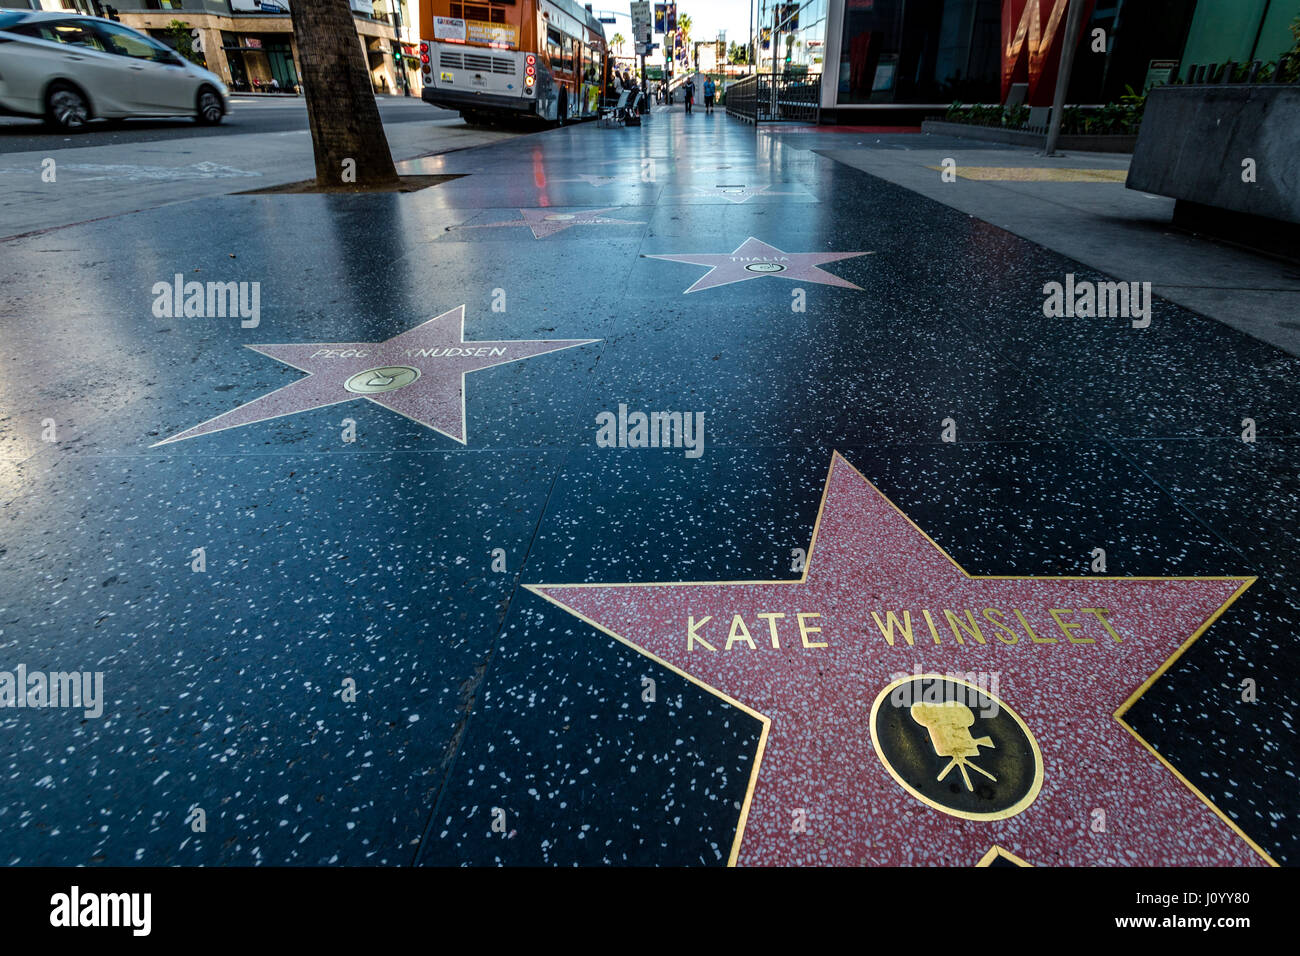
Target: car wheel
{"x":67,"y":107}
{"x":209,"y":111}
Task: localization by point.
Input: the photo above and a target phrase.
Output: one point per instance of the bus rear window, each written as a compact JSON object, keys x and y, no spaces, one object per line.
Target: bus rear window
{"x":478,"y":11}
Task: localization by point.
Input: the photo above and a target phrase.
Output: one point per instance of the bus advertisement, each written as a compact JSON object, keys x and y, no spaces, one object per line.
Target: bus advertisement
{"x":494,"y":59}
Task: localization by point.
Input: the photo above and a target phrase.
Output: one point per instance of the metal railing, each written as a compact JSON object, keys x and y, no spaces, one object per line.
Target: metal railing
{"x":776,"y":98}
{"x":740,"y":99}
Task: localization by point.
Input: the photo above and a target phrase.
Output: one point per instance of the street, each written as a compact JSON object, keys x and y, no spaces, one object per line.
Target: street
{"x":51,"y":180}
{"x":249,"y":114}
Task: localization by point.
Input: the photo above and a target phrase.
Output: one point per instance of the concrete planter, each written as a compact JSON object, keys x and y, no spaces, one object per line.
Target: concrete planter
{"x":1109,"y":143}
{"x":1195,"y":139}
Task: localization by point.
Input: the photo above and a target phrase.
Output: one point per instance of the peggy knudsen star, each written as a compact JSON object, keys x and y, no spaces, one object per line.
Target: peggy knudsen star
{"x":755,"y":259}
{"x":878,"y":737}
{"x":419,"y":373}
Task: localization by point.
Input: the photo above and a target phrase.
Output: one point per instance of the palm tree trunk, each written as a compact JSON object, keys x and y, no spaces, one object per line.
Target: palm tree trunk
{"x":346,"y":131}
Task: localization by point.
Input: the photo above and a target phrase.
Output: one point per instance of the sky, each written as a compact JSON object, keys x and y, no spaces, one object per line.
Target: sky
{"x":710,"y":16}
{"x":707,"y":17}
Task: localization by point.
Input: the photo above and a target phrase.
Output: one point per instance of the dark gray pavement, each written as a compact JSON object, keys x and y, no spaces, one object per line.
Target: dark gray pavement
{"x":444,"y":610}
{"x":1123,"y":232}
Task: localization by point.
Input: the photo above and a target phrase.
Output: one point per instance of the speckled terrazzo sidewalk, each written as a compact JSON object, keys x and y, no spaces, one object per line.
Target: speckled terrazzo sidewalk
{"x":339,"y":624}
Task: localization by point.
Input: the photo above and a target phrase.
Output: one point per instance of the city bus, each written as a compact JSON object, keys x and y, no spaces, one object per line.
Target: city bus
{"x":494,"y":59}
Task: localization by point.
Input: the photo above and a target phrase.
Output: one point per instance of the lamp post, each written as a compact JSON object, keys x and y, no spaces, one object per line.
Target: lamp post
{"x":401,"y":53}
{"x":776,"y":13}
{"x":749,"y":53}
{"x":1074,"y":18}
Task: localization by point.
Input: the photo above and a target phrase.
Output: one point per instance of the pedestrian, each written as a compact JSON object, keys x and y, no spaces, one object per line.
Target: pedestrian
{"x":275,"y":85}
{"x":709,"y":91}
{"x":689,"y":90}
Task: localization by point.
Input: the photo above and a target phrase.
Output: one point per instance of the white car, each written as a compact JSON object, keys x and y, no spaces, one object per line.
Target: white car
{"x":71,"y":69}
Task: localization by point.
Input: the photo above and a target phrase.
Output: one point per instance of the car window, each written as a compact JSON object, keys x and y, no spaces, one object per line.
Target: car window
{"x":75,"y":33}
{"x":126,"y":42}
{"x":41,"y":31}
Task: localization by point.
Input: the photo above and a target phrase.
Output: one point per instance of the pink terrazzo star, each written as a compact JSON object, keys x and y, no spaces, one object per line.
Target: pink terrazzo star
{"x":755,"y":259}
{"x":419,"y":373}
{"x":547,"y":222}
{"x":590,"y":179}
{"x":743,"y":194}
{"x":809,"y":659}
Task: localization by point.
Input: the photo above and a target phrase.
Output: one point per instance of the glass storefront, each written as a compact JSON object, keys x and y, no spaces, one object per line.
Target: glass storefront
{"x":938,"y":51}
{"x":261,"y":63}
{"x":800,"y":35}
{"x":920,"y":51}
{"x":935,"y":52}
{"x":1239,"y":30}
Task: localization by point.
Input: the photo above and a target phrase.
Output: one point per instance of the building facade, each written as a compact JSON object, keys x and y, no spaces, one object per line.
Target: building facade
{"x":250,"y":43}
{"x":905,"y":54}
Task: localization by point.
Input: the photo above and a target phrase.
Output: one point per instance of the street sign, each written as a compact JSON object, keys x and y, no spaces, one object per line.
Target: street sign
{"x":1158,"y":72}
{"x":641,"y":22}
{"x":196,"y":41}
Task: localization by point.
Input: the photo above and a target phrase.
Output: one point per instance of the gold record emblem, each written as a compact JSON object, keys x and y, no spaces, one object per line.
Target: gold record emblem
{"x":956,"y":747}
{"x":765,"y":267}
{"x":385,"y":379}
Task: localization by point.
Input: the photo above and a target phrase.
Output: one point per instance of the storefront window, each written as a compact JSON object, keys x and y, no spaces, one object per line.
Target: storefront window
{"x":260,"y":63}
{"x":920,"y":51}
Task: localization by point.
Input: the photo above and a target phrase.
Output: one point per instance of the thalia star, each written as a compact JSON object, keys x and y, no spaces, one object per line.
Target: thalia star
{"x":755,"y":259}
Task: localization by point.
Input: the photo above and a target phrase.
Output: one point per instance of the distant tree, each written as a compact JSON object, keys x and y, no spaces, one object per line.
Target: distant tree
{"x":1293,"y":65}
{"x":179,"y":34}
{"x":617,"y":41}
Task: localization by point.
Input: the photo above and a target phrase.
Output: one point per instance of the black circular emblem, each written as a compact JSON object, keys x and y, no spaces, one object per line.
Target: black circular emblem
{"x":956,"y":747}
